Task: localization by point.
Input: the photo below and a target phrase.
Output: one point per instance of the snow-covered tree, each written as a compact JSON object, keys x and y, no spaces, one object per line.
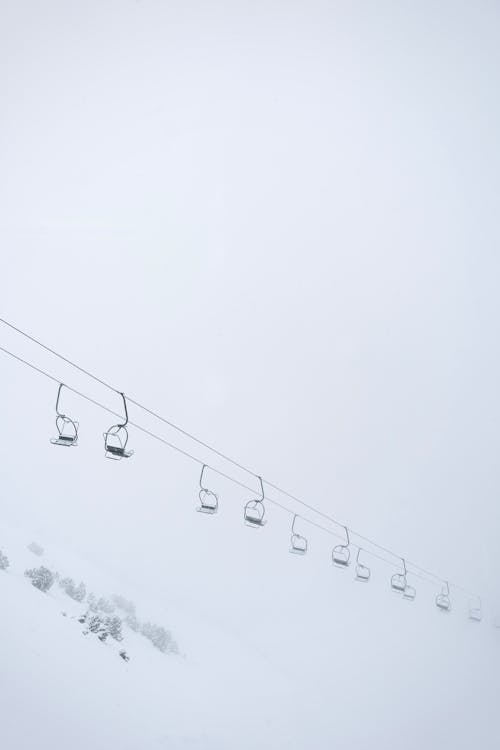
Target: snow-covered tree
{"x":75,"y":592}
{"x":133,"y":622}
{"x":80,"y":592}
{"x":159,"y":637}
{"x":114,"y":627}
{"x":42,"y":578}
{"x":66,"y":583}
{"x":95,"y":623}
{"x":4,"y":561}
{"x":92,"y":602}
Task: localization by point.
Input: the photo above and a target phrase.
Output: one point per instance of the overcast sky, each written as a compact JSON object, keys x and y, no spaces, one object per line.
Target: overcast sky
{"x":276,"y":224}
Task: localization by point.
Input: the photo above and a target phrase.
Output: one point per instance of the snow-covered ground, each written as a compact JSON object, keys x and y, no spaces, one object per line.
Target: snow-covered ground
{"x":69,"y":690}
{"x":60,"y":688}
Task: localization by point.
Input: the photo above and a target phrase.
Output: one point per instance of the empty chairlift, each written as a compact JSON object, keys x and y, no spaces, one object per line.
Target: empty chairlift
{"x":476,"y":612}
{"x":209,"y":501}
{"x":255,"y":510}
{"x":116,"y":438}
{"x":298,"y":543}
{"x":399,"y":581}
{"x":67,"y":428}
{"x":443,"y":601}
{"x":400,"y":585}
{"x":341,"y":554}
{"x":363,"y":572}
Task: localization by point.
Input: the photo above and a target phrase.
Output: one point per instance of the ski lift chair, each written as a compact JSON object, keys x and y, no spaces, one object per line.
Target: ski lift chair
{"x":255,"y":510}
{"x":298,"y":543}
{"x":341,"y":554}
{"x":398,"y":580}
{"x":476,"y":613}
{"x":443,"y":601}
{"x":116,"y":438}
{"x":363,"y":572}
{"x":209,"y":501}
{"x":67,"y":429}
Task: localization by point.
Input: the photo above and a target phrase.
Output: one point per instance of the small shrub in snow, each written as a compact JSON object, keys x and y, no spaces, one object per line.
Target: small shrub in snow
{"x":133,"y":623}
{"x":159,"y":637}
{"x":113,"y":626}
{"x":42,"y":578}
{"x":97,"y":625}
{"x":4,"y":561}
{"x":75,"y":592}
{"x":80,"y":592}
{"x":102,"y":626}
{"x":100,"y":605}
{"x":124,"y":656}
{"x":35,"y":548}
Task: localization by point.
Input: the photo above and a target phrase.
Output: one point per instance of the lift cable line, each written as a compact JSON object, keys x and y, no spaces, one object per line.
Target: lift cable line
{"x":194,"y":458}
{"x":223,"y":455}
{"x":215,"y":470}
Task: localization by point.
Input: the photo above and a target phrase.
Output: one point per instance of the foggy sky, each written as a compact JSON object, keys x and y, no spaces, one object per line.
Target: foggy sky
{"x":275,"y":223}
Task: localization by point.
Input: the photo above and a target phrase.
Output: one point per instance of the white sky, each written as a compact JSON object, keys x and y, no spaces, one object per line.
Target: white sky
{"x":276,"y":224}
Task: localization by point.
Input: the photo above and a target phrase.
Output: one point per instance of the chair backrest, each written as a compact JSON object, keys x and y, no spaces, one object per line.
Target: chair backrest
{"x":341,"y":555}
{"x":209,"y":502}
{"x":363,"y":572}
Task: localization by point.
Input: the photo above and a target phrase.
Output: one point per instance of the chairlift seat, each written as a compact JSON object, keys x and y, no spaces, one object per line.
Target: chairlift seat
{"x":209,"y":510}
{"x":476,"y":615}
{"x":398,"y":583}
{"x":65,"y":440}
{"x":298,"y":544}
{"x":70,"y":437}
{"x":341,"y":556}
{"x":443,"y":602}
{"x":117,"y":452}
{"x":115,"y":443}
{"x":254,"y":513}
{"x":363,"y":573}
{"x":254,"y":521}
{"x":341,"y":562}
{"x":209,"y":502}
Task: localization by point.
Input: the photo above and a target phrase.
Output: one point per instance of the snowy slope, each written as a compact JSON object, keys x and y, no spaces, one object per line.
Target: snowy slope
{"x":343,"y":678}
{"x":68,"y":689}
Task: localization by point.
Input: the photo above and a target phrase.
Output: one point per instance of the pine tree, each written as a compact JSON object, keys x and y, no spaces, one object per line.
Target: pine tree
{"x":114,"y":627}
{"x":133,"y":623}
{"x":4,"y":561}
{"x":95,"y":623}
{"x":159,"y":637}
{"x":42,"y":578}
{"x":79,"y":592}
